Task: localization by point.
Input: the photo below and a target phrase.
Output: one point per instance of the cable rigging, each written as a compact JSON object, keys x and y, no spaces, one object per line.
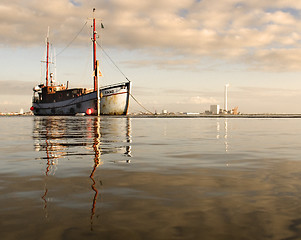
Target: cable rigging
{"x":112,"y":61}
{"x":140,"y":104}
{"x":124,"y":76}
{"x":72,"y":39}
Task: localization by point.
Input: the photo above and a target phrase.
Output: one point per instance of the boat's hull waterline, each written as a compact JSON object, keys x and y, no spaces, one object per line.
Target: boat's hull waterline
{"x":114,"y":100}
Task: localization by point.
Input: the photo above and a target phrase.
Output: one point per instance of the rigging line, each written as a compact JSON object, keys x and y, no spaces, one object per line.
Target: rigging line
{"x":72,"y":39}
{"x":140,"y":104}
{"x":112,"y":61}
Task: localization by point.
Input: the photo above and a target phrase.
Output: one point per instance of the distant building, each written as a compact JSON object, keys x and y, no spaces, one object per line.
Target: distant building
{"x":214,"y":109}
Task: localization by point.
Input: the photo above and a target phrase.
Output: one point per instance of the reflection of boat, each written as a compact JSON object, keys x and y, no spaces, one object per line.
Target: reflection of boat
{"x":46,"y":133}
{"x":63,"y":140}
{"x":55,"y":99}
{"x":59,"y":137}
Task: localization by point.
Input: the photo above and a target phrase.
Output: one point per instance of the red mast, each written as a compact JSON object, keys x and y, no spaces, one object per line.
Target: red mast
{"x":94,"y":52}
{"x":47,"y":58}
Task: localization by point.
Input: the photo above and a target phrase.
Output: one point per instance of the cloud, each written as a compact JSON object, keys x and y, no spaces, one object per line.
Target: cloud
{"x":249,"y":32}
{"x":165,"y":63}
{"x":16,"y":87}
{"x":201,"y":100}
{"x":266,"y":92}
{"x":275,"y":59}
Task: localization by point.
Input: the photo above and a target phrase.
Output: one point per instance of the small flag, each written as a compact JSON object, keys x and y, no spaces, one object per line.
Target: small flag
{"x":100,"y":73}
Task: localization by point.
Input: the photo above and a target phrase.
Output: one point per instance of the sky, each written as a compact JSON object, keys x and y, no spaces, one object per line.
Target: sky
{"x":179,"y":55}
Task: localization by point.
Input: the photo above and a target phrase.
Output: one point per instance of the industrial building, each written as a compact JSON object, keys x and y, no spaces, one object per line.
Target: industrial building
{"x":214,"y":109}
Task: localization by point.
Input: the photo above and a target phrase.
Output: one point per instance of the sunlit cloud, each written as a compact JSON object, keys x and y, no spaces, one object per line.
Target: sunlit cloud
{"x":201,"y":100}
{"x":249,"y":32}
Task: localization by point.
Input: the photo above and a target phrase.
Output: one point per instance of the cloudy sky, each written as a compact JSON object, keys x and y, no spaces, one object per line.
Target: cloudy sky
{"x":178,"y":54}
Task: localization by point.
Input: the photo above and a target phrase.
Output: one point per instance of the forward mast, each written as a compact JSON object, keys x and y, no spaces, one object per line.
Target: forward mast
{"x":94,"y":52}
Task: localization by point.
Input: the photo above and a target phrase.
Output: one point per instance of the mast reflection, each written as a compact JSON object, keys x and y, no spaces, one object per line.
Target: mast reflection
{"x":46,"y":133}
{"x":97,"y":162}
{"x":128,"y":151}
{"x":74,"y":138}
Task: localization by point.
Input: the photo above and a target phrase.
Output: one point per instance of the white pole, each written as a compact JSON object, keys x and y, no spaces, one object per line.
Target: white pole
{"x":98,"y":95}
{"x":226,"y":97}
{"x":54,"y":64}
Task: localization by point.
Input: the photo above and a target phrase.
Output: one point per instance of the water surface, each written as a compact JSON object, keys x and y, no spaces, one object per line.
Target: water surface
{"x":123,"y":178}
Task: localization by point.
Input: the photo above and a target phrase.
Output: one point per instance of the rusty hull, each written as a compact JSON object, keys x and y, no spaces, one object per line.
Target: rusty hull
{"x":114,"y":101}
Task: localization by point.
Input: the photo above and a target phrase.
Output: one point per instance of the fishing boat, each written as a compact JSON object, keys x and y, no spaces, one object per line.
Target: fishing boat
{"x":58,"y":99}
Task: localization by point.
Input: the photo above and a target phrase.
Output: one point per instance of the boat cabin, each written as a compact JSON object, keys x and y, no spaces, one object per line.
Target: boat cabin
{"x":50,"y":94}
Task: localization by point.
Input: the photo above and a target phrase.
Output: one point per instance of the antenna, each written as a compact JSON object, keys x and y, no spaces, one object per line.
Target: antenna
{"x":48,"y":32}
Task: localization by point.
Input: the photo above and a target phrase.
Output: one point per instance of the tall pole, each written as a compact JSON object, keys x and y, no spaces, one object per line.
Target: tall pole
{"x":47,"y":58}
{"x":98,"y":93}
{"x":94,"y":52}
{"x":226,"y":97}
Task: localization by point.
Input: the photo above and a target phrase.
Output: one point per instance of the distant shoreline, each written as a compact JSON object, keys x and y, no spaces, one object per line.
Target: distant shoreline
{"x":259,"y":115}
{"x":215,"y":116}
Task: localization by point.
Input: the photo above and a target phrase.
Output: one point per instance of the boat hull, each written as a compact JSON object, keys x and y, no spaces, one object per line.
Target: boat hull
{"x":114,"y":100}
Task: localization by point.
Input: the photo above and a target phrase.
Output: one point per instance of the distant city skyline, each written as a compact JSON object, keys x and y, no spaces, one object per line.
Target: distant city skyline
{"x":178,"y":54}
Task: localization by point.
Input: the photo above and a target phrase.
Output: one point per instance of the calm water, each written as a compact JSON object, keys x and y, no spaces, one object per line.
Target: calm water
{"x":123,"y":178}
